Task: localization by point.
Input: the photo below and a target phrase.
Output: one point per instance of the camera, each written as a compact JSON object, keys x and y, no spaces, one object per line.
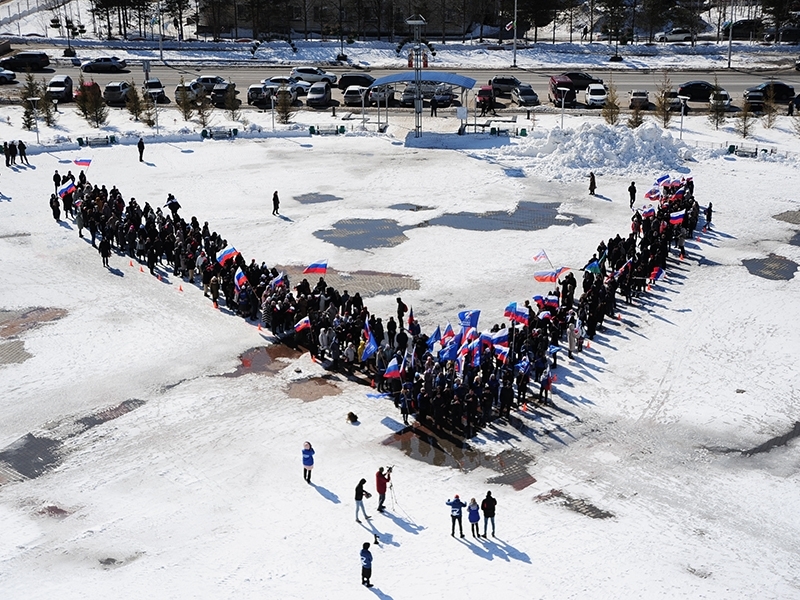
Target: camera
{"x":389,"y":469}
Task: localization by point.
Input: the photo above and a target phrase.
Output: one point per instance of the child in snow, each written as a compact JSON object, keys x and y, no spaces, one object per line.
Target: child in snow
{"x":474,"y":516}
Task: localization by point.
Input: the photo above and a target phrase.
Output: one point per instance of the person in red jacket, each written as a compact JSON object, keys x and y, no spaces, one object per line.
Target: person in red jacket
{"x":381,"y":480}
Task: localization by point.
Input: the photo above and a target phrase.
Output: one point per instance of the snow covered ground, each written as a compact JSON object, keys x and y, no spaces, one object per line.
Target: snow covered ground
{"x":195,"y":491}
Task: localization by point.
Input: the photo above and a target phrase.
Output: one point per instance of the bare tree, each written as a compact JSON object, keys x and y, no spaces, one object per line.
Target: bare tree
{"x":770,"y":109}
{"x":635,"y":119}
{"x":610,"y":109}
{"x":717,"y":113}
{"x":662,"y":100}
{"x":745,"y":121}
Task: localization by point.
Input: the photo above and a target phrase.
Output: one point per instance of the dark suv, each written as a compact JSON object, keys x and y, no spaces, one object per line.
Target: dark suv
{"x":780,"y":91}
{"x":503,"y":84}
{"x":561,"y":89}
{"x":22,"y":61}
{"x":219,"y":93}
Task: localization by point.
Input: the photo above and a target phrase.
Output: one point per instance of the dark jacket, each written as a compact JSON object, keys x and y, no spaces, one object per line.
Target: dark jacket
{"x":488,"y":505}
{"x":455,"y":507}
{"x":360,"y":492}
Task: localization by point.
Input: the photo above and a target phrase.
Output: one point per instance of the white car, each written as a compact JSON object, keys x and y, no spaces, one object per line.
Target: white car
{"x":639,"y":99}
{"x":674,"y":35}
{"x":379,"y":95}
{"x":7,"y":76}
{"x":720,"y":99}
{"x":155,"y":89}
{"x":300,"y":87}
{"x":595,"y":95}
{"x":192,"y":89}
{"x":354,"y":95}
{"x":278,"y":91}
{"x":312,"y":75}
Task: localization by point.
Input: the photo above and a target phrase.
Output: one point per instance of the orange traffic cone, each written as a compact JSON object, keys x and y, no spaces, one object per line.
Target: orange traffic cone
{"x":130,"y":262}
{"x":525,"y":407}
{"x":141,"y":270}
{"x":619,"y":316}
{"x":180,"y":288}
{"x":216,"y":305}
{"x":259,"y":326}
{"x":372,"y":383}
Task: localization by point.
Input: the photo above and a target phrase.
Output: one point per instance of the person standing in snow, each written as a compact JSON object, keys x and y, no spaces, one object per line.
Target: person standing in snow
{"x":487,"y":506}
{"x":632,"y":192}
{"x":308,"y":461}
{"x":55,"y":206}
{"x":592,"y":184}
{"x":381,"y":481}
{"x":275,"y":203}
{"x":366,"y":565}
{"x":23,"y":149}
{"x":361,"y":493}
{"x":709,"y":213}
{"x":104,"y":248}
{"x":455,"y":515}
{"x":140,"y":146}
{"x":474,"y":516}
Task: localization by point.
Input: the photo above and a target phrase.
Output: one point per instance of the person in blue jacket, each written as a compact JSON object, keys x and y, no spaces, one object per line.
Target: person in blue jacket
{"x":455,"y":515}
{"x":474,"y":517}
{"x":308,"y":461}
{"x":366,"y":565}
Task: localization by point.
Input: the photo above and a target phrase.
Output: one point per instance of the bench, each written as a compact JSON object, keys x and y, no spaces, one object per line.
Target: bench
{"x":474,"y":127}
{"x":105,"y":140}
{"x":326,"y":130}
{"x":746,"y":152}
{"x":218,"y":132}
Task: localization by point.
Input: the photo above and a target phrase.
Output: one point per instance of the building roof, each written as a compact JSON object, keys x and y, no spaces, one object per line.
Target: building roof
{"x":434,"y":76}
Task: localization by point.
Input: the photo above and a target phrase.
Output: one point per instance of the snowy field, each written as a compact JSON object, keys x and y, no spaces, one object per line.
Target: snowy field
{"x":196,"y":490}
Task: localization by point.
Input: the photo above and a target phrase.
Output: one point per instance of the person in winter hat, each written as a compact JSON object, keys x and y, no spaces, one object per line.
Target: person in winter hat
{"x":474,"y":516}
{"x":487,"y":506}
{"x":308,"y":461}
{"x":381,"y":481}
{"x":455,"y":515}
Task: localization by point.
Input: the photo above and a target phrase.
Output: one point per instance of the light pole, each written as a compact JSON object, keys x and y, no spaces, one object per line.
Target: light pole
{"x":272,"y":99}
{"x":684,"y":100}
{"x":417,"y":23}
{"x":515,"y":34}
{"x":33,"y":102}
{"x":563,"y":91}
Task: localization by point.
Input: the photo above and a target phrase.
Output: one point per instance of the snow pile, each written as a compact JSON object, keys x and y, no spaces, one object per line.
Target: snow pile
{"x":568,"y":153}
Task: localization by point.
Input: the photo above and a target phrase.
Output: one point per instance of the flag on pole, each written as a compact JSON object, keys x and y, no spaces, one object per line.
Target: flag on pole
{"x":410,"y":316}
{"x":436,"y":336}
{"x":648,"y":212}
{"x":676,"y":218}
{"x":239,"y":279}
{"x":516,"y":314}
{"x":510,"y":26}
{"x":371,"y":347}
{"x":302,"y":324}
{"x":500,"y":338}
{"x":593,"y":267}
{"x":447,"y":334}
{"x":392,"y":370}
{"x":227,"y":254}
{"x":278,"y":280}
{"x":320,"y":267}
{"x":549,"y":276}
{"x":540,"y":255}
{"x":469,"y":318}
{"x":67,"y":189}
{"x":657,"y":273}
{"x":502,"y":353}
{"x":83,"y":162}
{"x":551,"y":301}
{"x":663,"y":180}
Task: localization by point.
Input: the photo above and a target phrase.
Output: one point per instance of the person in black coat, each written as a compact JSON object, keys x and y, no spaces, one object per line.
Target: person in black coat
{"x":632,"y":192}
{"x":361,"y":493}
{"x":488,"y":507}
{"x":105,"y":250}
{"x":140,"y":146}
{"x":276,"y":203}
{"x":23,"y":157}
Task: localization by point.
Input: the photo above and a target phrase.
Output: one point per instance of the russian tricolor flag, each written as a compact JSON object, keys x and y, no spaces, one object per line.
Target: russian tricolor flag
{"x":539,"y":300}
{"x":321,"y":267}
{"x":239,"y":279}
{"x":502,"y":353}
{"x":67,"y":189}
{"x":410,"y":316}
{"x":302,"y":324}
{"x":544,"y":315}
{"x":551,"y":301}
{"x":278,"y":280}
{"x":649,"y":212}
{"x":448,"y":334}
{"x":657,"y":273}
{"x":516,"y":314}
{"x":549,"y":276}
{"x":676,"y":218}
{"x":392,"y":370}
{"x":541,"y":255}
{"x":227,"y":254}
{"x":500,"y":338}
{"x":663,"y":180}
{"x":83,"y":162}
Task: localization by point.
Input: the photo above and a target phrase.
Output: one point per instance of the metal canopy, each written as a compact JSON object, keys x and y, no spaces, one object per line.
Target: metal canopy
{"x":449,"y":78}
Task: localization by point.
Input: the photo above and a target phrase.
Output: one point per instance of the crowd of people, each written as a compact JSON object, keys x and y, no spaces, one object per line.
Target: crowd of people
{"x":473,"y":377}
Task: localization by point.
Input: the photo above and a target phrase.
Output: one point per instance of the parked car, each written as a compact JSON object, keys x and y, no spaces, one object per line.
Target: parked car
{"x":363,"y":79}
{"x":209,"y":81}
{"x":556,"y":93}
{"x":116,"y":92}
{"x":104,"y":64}
{"x":780,"y":91}
{"x":485,"y":96}
{"x":219,"y":94}
{"x":88,"y":87}
{"x":638,"y":99}
{"x":595,"y":95}
{"x":674,"y":102}
{"x":504,"y":84}
{"x":60,"y":88}
{"x":283,"y":92}
{"x":191,"y":90}
{"x":696,"y":91}
{"x":428,"y":89}
{"x":155,"y":90}
{"x":312,"y":75}
{"x":319,"y":94}
{"x":787,"y":35}
{"x":754,"y":101}
{"x":743,"y":29}
{"x":354,"y":95}
{"x":580,"y":80}
{"x":22,"y":61}
{"x":444,"y":96}
{"x":7,"y":76}
{"x":381,"y":94}
{"x":524,"y":95}
{"x":259,"y":94}
{"x":720,"y":99}
{"x":300,"y":87}
{"x":674,"y":35}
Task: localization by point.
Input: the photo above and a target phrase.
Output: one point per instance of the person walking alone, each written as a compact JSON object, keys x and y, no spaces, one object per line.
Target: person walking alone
{"x":381,"y":481}
{"x":104,"y":248}
{"x":361,"y":493}
{"x":275,"y":203}
{"x":488,"y":506}
{"x":140,"y":146}
{"x":592,"y":184}
{"x":434,"y":106}
{"x":455,"y":515}
{"x":308,"y":461}
{"x":632,"y":192}
{"x":366,"y":565}
{"x":709,"y":212}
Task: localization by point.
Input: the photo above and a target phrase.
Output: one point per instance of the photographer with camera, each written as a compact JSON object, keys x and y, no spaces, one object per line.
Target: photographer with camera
{"x":382,"y":479}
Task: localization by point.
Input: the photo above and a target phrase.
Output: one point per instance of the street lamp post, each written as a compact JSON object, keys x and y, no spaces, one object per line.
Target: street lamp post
{"x":563,"y":91}
{"x":417,"y":22}
{"x":515,"y":34}
{"x":684,"y":100}
{"x":33,"y":102}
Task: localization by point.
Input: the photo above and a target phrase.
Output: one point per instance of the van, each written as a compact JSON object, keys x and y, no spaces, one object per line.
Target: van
{"x":60,"y":88}
{"x":22,"y":61}
{"x":744,"y":29}
{"x":570,"y":98}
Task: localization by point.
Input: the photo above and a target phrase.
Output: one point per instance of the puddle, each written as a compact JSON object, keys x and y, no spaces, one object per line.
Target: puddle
{"x":13,"y":352}
{"x":32,"y":455}
{"x":513,"y":172}
{"x":527,"y":216}
{"x":15,"y":322}
{"x":578,"y":505}
{"x":409,"y":206}
{"x":780,"y":440}
{"x":313,"y":389}
{"x":790,"y":216}
{"x":361,"y":234}
{"x":444,"y":450}
{"x":795,"y":241}
{"x":367,"y":283}
{"x":774,"y":267}
{"x":316,"y":198}
{"x":263,"y":359}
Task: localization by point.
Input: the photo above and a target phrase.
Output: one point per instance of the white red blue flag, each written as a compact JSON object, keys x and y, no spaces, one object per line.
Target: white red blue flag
{"x":302,"y":324}
{"x":392,"y":370}
{"x":67,"y":189}
{"x":239,"y":279}
{"x":550,"y":276}
{"x":227,"y":254}
{"x":676,"y":218}
{"x":321,"y":267}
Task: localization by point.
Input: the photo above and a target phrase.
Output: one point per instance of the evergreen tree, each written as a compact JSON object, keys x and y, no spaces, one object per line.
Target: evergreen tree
{"x":745,"y":121}
{"x":662,"y":100}
{"x":149,"y":110}
{"x":770,"y":109}
{"x":611,"y":107}
{"x":716,"y":112}
{"x":134,"y":102}
{"x":29,"y":90}
{"x":204,"y":108}
{"x":46,"y":106}
{"x":90,"y":103}
{"x":232,"y":104}
{"x":283,"y":106}
{"x":635,"y":119}
{"x":185,"y":103}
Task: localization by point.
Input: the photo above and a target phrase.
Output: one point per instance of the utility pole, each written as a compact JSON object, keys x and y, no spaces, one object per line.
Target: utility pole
{"x":417,"y":23}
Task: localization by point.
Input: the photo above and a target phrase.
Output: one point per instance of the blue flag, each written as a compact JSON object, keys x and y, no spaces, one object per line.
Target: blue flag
{"x":449,"y":352}
{"x":469,"y":318}
{"x":435,"y":337}
{"x":371,"y":347}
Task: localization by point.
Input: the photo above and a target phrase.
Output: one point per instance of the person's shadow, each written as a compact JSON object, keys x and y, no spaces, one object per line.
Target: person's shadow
{"x":403,"y":524}
{"x":380,"y":594}
{"x":149,"y":164}
{"x":285,"y":218}
{"x":326,"y":493}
